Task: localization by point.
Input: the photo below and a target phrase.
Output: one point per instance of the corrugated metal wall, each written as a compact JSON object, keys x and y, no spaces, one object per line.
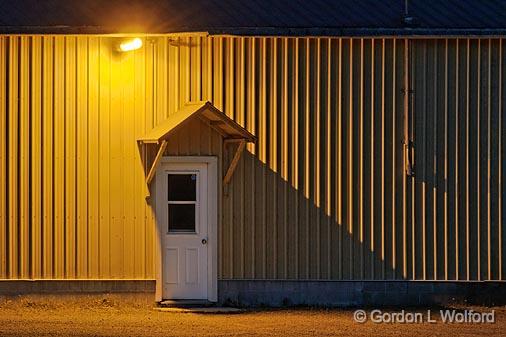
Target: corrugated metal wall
{"x":458,"y":128}
{"x":322,"y":195}
{"x":327,"y":201}
{"x":72,"y":198}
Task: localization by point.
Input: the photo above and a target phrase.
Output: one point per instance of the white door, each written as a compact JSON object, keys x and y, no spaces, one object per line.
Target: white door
{"x":182,"y":202}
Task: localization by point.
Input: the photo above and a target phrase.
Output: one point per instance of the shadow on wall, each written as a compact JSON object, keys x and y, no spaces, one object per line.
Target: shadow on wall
{"x":274,"y":229}
{"x":280,"y":233}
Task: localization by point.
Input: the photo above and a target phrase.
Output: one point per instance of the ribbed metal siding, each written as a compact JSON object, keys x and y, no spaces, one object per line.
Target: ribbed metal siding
{"x":322,"y":195}
{"x":458,"y":130}
{"x":330,"y":199}
{"x":72,"y":197}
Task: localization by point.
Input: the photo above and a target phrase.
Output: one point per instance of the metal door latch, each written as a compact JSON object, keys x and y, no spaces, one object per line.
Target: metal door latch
{"x":408,"y":160}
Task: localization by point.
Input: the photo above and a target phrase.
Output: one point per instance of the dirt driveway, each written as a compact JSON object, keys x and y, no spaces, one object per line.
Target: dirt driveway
{"x":105,"y":319}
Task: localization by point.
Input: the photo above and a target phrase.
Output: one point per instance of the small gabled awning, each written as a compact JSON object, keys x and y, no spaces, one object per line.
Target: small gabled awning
{"x":208,"y":113}
{"x":223,"y":124}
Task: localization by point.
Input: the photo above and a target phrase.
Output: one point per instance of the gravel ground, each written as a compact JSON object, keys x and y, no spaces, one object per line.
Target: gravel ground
{"x":22,"y":318}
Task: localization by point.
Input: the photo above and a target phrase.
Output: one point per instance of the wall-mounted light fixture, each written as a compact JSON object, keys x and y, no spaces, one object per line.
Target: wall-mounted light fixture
{"x":130,"y":44}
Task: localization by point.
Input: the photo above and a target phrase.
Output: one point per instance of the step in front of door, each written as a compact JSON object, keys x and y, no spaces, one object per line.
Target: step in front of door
{"x":185,"y":304}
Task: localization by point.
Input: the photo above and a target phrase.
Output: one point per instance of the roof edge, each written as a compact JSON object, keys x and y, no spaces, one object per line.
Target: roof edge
{"x":259,"y":31}
{"x":359,"y":32}
{"x":92,"y":30}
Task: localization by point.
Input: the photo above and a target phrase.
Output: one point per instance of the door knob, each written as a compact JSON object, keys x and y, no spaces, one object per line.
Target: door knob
{"x":204,"y":241}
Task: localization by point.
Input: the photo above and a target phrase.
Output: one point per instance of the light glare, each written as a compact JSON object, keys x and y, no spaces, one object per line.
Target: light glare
{"x":130,"y":44}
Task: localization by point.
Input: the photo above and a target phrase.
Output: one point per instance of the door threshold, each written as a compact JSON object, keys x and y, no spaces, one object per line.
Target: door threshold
{"x":204,"y":310}
{"x":185,"y":303}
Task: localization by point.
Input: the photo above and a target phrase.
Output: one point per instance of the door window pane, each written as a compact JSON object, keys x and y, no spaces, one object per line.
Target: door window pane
{"x":182,"y":187}
{"x":182,"y":218}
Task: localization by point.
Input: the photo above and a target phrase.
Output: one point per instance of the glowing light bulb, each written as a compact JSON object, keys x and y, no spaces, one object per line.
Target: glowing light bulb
{"x":130,"y":45}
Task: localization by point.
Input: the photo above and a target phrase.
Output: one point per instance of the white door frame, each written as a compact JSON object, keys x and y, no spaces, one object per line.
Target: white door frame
{"x":212,"y":216}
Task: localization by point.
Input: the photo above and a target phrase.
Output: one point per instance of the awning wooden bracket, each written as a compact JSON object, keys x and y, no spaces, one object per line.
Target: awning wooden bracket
{"x":159,"y":154}
{"x":235,"y":160}
{"x":150,"y":174}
